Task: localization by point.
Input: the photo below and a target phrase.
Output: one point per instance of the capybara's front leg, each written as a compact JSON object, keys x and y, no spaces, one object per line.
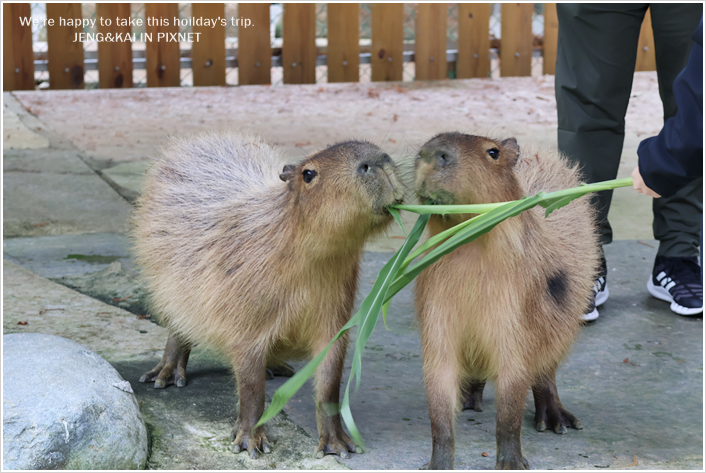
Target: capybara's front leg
{"x":172,"y":368}
{"x":548,"y":409}
{"x":510,"y":401}
{"x":250,"y":375}
{"x":442,"y":394}
{"x":332,"y":438}
{"x":472,"y":395}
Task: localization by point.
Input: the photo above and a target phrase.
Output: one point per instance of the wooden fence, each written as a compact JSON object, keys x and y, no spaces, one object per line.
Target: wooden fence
{"x":298,"y":56}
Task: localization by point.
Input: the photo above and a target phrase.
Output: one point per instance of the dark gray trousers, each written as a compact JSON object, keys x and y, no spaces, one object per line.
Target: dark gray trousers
{"x":597,"y":48}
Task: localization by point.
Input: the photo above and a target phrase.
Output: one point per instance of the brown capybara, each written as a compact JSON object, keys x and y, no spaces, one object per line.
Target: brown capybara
{"x":508,"y":305}
{"x":260,"y":260}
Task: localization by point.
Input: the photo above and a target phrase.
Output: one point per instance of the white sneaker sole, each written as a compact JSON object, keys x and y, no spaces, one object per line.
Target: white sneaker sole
{"x":591,"y":316}
{"x":662,"y":294}
{"x":602,"y":296}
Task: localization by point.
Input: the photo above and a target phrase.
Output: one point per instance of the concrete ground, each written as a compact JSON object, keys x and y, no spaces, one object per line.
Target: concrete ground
{"x":72,"y":165}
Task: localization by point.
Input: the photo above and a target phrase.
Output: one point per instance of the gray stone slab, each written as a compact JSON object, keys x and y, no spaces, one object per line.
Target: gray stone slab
{"x":126,"y":178}
{"x":16,"y":135}
{"x":649,"y":406}
{"x":55,"y":256}
{"x":50,"y":160}
{"x":51,"y":204}
{"x":51,"y":308}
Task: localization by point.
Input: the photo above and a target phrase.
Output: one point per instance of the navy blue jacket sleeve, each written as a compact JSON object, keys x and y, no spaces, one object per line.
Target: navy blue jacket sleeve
{"x":674,"y":158}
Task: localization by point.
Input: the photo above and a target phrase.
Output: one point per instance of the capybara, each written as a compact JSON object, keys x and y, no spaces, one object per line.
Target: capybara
{"x":260,"y":260}
{"x":507,"y":306}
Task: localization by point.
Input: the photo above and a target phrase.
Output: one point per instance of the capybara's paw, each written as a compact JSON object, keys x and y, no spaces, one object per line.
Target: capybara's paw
{"x":556,"y":418}
{"x":164,"y":376}
{"x":254,"y":443}
{"x":514,"y":461}
{"x":336,"y":443}
{"x":473,"y":402}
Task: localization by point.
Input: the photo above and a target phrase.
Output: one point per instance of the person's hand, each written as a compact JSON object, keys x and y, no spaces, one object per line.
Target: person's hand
{"x":639,"y":185}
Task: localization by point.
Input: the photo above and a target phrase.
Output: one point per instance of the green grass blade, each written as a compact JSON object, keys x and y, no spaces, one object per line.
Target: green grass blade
{"x":449,"y":209}
{"x":293,"y":384}
{"x":396,"y":214}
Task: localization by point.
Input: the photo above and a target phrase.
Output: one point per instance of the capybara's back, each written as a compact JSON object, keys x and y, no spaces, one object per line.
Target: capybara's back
{"x":208,"y":213}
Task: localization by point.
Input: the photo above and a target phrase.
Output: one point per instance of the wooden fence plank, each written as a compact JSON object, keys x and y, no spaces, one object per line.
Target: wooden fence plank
{"x":343,"y":52}
{"x":387,"y":41}
{"x":162,"y":54}
{"x":17,"y":55}
{"x":646,"y":46}
{"x":551,"y":34}
{"x":208,"y":54}
{"x":516,"y":37}
{"x":254,"y":46}
{"x":473,"y":40}
{"x":430,"y":41}
{"x":65,"y":56}
{"x":114,"y":58}
{"x":299,"y":43}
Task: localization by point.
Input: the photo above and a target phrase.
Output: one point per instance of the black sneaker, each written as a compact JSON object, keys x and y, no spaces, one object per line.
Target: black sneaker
{"x":600,"y":293}
{"x":678,"y":280}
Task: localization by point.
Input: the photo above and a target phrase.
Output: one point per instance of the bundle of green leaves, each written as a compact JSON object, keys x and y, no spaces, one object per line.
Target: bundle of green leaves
{"x":402,"y":269}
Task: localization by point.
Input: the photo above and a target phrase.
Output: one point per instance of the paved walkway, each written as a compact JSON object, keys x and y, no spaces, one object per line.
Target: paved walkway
{"x":634,"y":378}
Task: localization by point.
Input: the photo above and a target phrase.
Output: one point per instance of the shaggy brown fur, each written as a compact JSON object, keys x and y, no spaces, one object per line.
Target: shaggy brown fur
{"x":246,"y":255}
{"x":506,"y":306}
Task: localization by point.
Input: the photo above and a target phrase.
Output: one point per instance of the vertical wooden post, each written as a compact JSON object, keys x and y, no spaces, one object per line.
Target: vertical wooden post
{"x":114,"y":58}
{"x":430,"y":41}
{"x":551,"y":35}
{"x":299,"y":43}
{"x":162,"y":55}
{"x":17,"y":55}
{"x":473,"y":40}
{"x":65,"y":55}
{"x":343,"y":53}
{"x":254,"y":45}
{"x":645,"y":60}
{"x":387,"y":41}
{"x":208,"y":54}
{"x":516,"y":39}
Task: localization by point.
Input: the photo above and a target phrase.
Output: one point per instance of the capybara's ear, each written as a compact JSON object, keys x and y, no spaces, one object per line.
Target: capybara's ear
{"x":288,"y":172}
{"x":511,"y":150}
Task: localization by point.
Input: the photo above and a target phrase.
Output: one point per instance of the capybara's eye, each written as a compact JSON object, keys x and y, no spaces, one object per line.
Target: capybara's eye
{"x":494,"y":153}
{"x":309,"y":175}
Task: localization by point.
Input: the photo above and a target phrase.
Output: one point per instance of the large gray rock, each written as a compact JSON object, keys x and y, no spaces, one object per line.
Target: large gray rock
{"x":64,"y":407}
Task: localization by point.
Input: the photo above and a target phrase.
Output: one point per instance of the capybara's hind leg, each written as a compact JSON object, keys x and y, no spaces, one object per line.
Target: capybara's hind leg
{"x":250,"y":375}
{"x":549,"y":413}
{"x":442,"y":393}
{"x":332,"y":438}
{"x":472,"y":395}
{"x":172,"y":368}
{"x":277,"y":367}
{"x":510,"y":401}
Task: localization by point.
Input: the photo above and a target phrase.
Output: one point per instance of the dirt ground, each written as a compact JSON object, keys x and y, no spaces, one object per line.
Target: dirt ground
{"x":128,"y":125}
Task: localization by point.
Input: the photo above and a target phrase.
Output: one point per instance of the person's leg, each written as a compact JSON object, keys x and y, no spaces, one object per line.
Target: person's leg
{"x":677,"y":219}
{"x":596,"y":52}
